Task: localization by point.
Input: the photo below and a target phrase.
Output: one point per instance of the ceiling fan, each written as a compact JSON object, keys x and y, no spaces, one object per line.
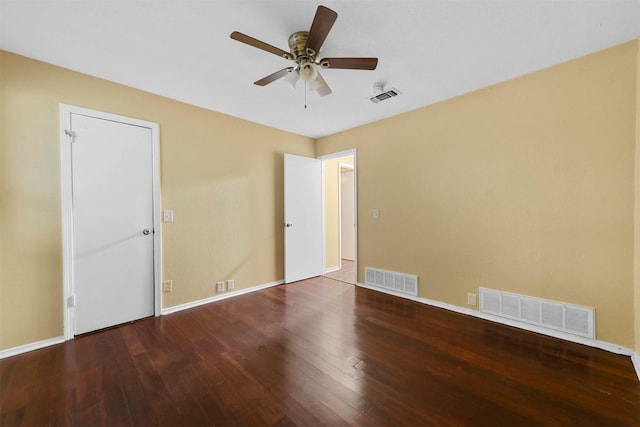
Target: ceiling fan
{"x":304,"y":49}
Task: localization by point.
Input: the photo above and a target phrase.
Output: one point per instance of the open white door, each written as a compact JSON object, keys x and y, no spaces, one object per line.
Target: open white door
{"x":302,"y":217}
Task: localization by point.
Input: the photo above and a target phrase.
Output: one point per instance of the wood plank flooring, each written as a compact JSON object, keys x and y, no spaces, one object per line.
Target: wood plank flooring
{"x":346,"y":274}
{"x":318,"y":352}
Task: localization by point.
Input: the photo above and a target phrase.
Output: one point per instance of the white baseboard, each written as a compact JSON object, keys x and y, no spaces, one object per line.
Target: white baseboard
{"x":14,"y":351}
{"x":603,"y":345}
{"x":58,"y":340}
{"x":635,"y":359}
{"x":331,"y":269}
{"x":226,"y":295}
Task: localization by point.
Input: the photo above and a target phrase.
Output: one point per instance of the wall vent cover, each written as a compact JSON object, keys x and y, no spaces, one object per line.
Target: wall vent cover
{"x":391,"y":280}
{"x":384,"y":95}
{"x":572,"y":319}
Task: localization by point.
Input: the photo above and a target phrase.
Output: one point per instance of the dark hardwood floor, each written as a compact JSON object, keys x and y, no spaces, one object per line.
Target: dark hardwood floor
{"x":318,"y":352}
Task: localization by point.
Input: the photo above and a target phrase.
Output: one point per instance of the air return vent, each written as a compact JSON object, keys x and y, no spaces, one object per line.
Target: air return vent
{"x":391,"y":280}
{"x":568,"y":318}
{"x":384,"y":95}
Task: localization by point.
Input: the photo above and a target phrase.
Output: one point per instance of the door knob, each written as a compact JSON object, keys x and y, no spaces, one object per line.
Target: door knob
{"x":288,"y":224}
{"x":146,"y":231}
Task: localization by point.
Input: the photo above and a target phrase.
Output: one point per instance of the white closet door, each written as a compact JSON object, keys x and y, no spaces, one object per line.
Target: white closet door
{"x":112,"y":178}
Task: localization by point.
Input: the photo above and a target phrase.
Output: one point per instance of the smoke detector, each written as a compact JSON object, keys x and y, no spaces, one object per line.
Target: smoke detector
{"x":380,"y":94}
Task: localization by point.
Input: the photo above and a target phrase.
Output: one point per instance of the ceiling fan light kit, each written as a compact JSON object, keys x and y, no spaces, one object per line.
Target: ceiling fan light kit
{"x":292,"y":78}
{"x":304,"y":47}
{"x":308,"y":72}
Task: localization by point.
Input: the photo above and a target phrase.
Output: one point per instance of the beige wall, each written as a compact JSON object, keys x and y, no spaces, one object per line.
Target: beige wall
{"x":222,"y":176}
{"x":526,"y":186}
{"x":332,"y":210}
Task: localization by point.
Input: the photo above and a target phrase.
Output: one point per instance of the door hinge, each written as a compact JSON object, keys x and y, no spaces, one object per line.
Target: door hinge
{"x":71,"y":301}
{"x":70,"y":134}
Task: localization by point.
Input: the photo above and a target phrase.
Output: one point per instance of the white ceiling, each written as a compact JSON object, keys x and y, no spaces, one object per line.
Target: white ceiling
{"x":429,"y":50}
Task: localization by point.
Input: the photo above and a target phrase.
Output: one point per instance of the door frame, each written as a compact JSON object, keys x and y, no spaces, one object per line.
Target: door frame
{"x":68,"y":300}
{"x":349,"y":152}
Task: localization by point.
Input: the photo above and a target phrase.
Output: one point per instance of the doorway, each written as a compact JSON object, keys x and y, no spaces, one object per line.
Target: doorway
{"x":320,"y":217}
{"x":339,"y":195}
{"x":111,"y":231}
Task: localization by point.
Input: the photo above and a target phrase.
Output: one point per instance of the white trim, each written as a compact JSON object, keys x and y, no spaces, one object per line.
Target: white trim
{"x":61,"y":339}
{"x":157,"y":219}
{"x":14,"y":351}
{"x":603,"y":345}
{"x":323,"y":190}
{"x":344,"y":153}
{"x":350,"y":152}
{"x":67,"y":222}
{"x":635,"y":359}
{"x":227,"y":295}
{"x":67,"y":208}
{"x":339,"y":177}
{"x":332,"y":269}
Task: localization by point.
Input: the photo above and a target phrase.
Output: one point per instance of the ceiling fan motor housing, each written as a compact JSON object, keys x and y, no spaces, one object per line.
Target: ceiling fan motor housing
{"x":297,"y":43}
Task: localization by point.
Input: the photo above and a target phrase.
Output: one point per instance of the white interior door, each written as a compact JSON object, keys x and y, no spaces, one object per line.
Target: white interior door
{"x":303,"y":218}
{"x":112,"y":199}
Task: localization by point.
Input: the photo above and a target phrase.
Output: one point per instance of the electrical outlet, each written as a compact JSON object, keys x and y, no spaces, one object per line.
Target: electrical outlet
{"x":220,"y":287}
{"x":471,"y":299}
{"x":231,"y":284}
{"x":167,"y":285}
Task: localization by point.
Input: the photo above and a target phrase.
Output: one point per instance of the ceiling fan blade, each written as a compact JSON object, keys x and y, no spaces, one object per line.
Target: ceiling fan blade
{"x":273,"y":77}
{"x":350,"y":63}
{"x":320,"y":27}
{"x":260,"y":44}
{"x":321,"y":86}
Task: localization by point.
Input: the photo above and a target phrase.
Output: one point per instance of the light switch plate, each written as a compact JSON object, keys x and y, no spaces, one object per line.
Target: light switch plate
{"x":167,"y":216}
{"x":376,"y":213}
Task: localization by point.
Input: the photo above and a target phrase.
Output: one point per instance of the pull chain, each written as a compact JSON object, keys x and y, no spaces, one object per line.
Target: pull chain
{"x":305,"y":94}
